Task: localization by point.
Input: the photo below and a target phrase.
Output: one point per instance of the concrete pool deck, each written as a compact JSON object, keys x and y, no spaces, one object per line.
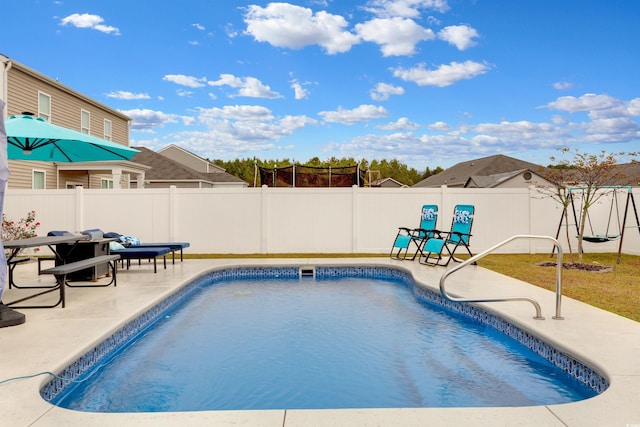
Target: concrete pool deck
{"x":52,"y":338}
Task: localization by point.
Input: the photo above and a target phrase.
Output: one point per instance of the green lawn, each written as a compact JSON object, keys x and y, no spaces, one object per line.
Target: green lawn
{"x":617,"y":291}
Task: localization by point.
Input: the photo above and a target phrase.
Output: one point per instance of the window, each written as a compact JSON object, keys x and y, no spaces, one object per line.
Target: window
{"x":44,"y":106}
{"x":85,"y":120}
{"x":39,"y":180}
{"x":72,"y":185}
{"x":107,"y":129}
{"x":106,"y":183}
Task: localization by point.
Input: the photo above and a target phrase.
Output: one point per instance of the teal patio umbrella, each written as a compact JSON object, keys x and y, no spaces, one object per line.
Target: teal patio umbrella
{"x":33,"y":138}
{"x":26,"y":137}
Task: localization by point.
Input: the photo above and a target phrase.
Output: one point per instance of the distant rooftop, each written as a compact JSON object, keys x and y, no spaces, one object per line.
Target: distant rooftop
{"x":164,"y":168}
{"x":490,"y":168}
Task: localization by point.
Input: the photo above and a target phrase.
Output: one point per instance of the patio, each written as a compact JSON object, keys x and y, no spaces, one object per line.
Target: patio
{"x":52,"y":338}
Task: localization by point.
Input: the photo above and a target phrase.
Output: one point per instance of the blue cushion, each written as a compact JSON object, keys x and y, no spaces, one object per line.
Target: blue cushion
{"x":129,"y":240}
{"x":57,"y":233}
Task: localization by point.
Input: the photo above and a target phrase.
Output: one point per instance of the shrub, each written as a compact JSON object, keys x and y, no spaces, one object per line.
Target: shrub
{"x":22,"y":229}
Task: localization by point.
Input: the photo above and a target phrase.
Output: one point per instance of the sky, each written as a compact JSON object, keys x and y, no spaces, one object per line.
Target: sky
{"x":427,"y":82}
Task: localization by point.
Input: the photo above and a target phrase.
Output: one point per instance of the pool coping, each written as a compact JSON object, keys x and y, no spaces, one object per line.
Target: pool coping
{"x":603,"y":341}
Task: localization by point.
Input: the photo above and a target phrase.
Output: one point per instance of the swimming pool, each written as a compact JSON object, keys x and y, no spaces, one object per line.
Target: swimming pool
{"x":486,"y":324}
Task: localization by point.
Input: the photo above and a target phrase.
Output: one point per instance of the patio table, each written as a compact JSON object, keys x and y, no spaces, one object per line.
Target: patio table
{"x":34,"y":242}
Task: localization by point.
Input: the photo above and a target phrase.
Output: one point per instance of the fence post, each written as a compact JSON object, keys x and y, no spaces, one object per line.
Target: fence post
{"x":264,"y":221}
{"x":79,"y":207}
{"x":444,"y":208}
{"x":530,"y":218}
{"x":173,"y":223}
{"x":354,"y":216}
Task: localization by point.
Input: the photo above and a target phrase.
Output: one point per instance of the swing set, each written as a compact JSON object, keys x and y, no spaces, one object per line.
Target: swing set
{"x":609,"y":235}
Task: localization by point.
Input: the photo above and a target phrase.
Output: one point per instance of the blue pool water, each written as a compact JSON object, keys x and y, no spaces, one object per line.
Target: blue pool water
{"x":305,"y":343}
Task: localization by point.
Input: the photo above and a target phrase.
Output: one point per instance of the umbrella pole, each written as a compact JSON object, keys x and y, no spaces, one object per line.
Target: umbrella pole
{"x":8,"y":316}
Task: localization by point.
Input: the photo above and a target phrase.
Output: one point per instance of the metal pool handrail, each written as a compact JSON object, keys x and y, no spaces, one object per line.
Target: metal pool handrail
{"x":474,"y":258}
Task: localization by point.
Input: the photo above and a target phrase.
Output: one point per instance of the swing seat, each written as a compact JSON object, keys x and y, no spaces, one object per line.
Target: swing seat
{"x":601,"y":238}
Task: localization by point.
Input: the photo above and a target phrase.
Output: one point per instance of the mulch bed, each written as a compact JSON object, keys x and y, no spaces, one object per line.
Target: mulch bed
{"x":596,"y":268}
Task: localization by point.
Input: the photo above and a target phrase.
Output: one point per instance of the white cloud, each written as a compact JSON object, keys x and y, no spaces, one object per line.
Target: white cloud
{"x":587,"y":102}
{"x":198,"y":27}
{"x":125,"y":95}
{"x":405,"y":8}
{"x":634,"y":107}
{"x":299,"y":91}
{"x":444,"y":75}
{"x":252,"y":113}
{"x":461,"y":36}
{"x":440,"y":126}
{"x":356,"y":115}
{"x":562,"y":85}
{"x":450,"y":145}
{"x":144,"y":119}
{"x":525,"y":130}
{"x":86,"y":20}
{"x":607,"y":120}
{"x":397,"y":36}
{"x":383,"y":91}
{"x":294,"y":27}
{"x":230,"y":31}
{"x":619,"y":129}
{"x":247,"y":86}
{"x":403,"y":123}
{"x":183,"y":80}
{"x":239,"y":129}
{"x":254,"y":88}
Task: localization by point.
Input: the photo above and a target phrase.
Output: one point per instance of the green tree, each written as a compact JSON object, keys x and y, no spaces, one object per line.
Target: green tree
{"x":245,"y":168}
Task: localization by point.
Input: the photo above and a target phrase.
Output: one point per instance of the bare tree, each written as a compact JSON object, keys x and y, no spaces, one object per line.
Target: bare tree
{"x":559,"y":177}
{"x":592,"y":173}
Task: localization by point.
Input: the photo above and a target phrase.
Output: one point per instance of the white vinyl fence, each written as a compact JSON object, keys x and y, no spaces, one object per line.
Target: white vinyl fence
{"x":304,"y":220}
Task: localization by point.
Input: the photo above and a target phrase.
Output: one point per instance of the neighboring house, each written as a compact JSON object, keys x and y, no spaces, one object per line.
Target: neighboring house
{"x":166,"y":171}
{"x":387,"y":183}
{"x":630,"y":174}
{"x":515,"y":179}
{"x":26,"y":90}
{"x":190,"y":160}
{"x":488,"y":172}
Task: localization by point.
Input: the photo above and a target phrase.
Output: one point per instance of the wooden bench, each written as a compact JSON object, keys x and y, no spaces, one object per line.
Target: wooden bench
{"x":60,"y":272}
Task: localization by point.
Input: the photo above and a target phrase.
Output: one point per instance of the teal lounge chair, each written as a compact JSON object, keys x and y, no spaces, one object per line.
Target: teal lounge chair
{"x":407,"y":237}
{"x":459,"y":235}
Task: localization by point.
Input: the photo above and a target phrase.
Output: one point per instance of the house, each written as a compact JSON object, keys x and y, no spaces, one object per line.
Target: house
{"x":386,"y":183}
{"x":166,"y":171}
{"x":26,"y":90}
{"x":190,"y":160}
{"x":515,"y":179}
{"x":629,"y":174}
{"x":488,"y":172}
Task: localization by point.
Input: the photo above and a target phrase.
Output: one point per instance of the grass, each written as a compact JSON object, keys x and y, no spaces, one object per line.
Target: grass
{"x":617,"y":291}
